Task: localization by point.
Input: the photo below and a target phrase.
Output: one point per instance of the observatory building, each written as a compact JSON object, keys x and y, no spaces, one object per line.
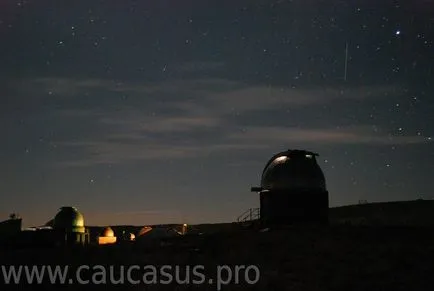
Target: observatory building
{"x":293,"y":189}
{"x":65,"y":229}
{"x":70,"y":223}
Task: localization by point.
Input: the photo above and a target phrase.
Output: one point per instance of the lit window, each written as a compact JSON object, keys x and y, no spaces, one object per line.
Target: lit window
{"x":309,"y":156}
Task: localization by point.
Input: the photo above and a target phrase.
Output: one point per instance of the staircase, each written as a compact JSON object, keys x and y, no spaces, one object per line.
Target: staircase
{"x":249,"y":215}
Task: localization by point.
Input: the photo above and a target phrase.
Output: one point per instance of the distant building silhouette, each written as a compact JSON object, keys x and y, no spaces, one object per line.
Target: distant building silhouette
{"x":10,"y":228}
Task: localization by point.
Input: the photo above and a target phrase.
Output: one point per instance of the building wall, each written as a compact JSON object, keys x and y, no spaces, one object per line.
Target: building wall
{"x":104,"y":240}
{"x":286,"y":207}
{"x":11,"y":226}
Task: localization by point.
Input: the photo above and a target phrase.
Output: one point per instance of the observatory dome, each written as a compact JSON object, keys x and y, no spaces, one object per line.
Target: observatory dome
{"x":108,"y":232}
{"x":293,"y":170}
{"x":69,"y":219}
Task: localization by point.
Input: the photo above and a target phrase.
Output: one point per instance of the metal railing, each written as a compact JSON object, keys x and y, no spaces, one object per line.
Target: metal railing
{"x":249,"y":215}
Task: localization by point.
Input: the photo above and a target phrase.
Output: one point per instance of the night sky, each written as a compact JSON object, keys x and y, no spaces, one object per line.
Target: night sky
{"x":142,"y":112}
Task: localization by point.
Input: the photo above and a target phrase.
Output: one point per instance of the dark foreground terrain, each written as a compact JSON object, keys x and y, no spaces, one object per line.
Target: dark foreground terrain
{"x":334,"y":258}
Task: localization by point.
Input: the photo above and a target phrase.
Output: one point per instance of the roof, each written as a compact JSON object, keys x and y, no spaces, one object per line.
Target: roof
{"x":108,"y":232}
{"x":289,"y":153}
{"x":292,"y":170}
{"x":156,"y":232}
{"x":68,"y":218}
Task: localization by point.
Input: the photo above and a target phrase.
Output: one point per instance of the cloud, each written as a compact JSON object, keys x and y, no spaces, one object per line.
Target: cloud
{"x":335,"y":136}
{"x":195,"y":120}
{"x":115,"y":152}
{"x":262,"y":97}
{"x":197,"y":67}
{"x":136,"y":147}
{"x":127,"y":152}
{"x":210,"y":96}
{"x":163,"y":124}
{"x":70,"y":86}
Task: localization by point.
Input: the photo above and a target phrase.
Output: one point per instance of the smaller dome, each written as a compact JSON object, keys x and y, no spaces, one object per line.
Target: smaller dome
{"x":108,"y":232}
